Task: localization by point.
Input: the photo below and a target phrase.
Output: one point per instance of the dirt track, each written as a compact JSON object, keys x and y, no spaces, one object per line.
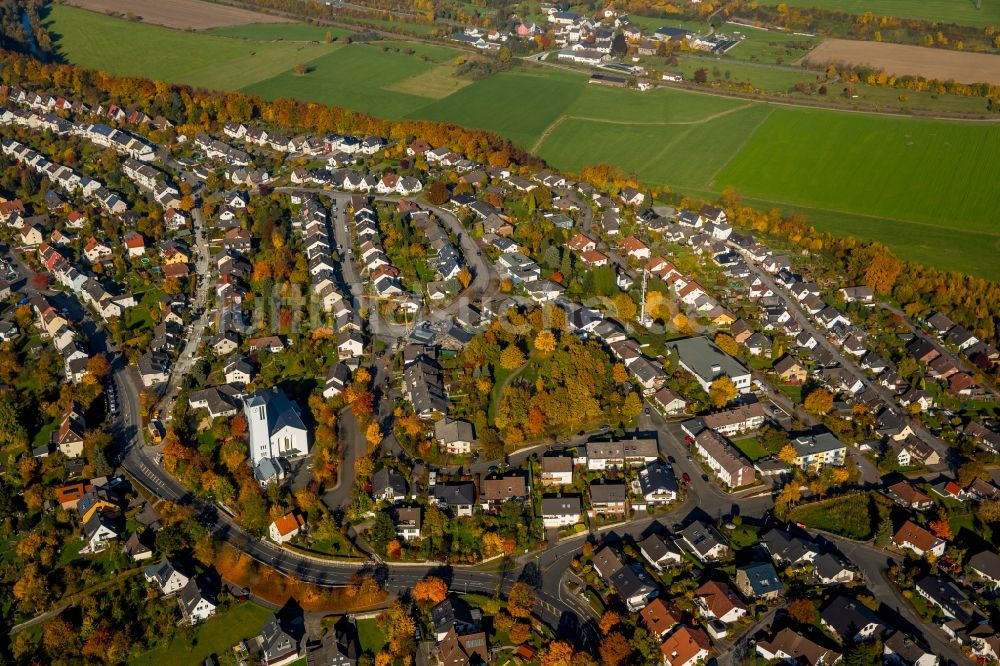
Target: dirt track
{"x":900,"y":59}
{"x":183,"y":14}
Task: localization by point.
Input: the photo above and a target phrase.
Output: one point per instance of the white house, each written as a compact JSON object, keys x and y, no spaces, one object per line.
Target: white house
{"x":560,"y":511}
{"x":166,"y":576}
{"x":283,"y":529}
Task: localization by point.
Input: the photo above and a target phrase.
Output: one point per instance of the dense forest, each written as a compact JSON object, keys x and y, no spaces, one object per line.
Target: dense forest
{"x":21,"y":28}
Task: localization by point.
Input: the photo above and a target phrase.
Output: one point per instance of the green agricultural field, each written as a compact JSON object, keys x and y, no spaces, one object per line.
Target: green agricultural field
{"x":289,"y":32}
{"x":962,"y":12}
{"x":924,"y":187}
{"x":917,"y":170}
{"x":138,"y":49}
{"x":355,"y":76}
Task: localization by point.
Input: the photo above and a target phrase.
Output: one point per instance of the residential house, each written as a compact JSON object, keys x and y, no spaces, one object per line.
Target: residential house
{"x":196,"y":605}
{"x":560,"y":511}
{"x":630,"y":582}
{"x":136,"y":549}
{"x":609,"y":499}
{"x":704,"y":542}
{"x":497,"y":489}
{"x":717,"y":601}
{"x":100,"y":529}
{"x":284,"y":529}
{"x":68,"y":438}
{"x":919,"y":540}
{"x":389,"y":485}
{"x":819,"y":450}
{"x":408,"y":522}
{"x":793,"y":647}
{"x":759,"y":580}
{"x":167,"y":576}
{"x":951,"y":600}
{"x":686,"y":647}
{"x":791,"y":371}
{"x":657,"y":484}
{"x":787,"y":549}
{"x":669,"y":402}
{"x":218,"y":401}
{"x":274,"y":645}
{"x":337,"y":380}
{"x":828,"y":569}
{"x":906,"y":495}
{"x":660,"y":551}
{"x":557,"y":470}
{"x":659,"y":618}
{"x":456,"y":436}
{"x":850,"y":620}
{"x":458,"y":498}
{"x":69,"y":496}
{"x":986,"y":565}
{"x":901,"y":649}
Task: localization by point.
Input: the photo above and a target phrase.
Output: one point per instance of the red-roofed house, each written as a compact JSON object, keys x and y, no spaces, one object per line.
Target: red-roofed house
{"x":660,"y":618}
{"x":919,"y":540}
{"x":135,"y":244}
{"x":581,"y":243}
{"x":635,"y":248}
{"x":286,"y":527}
{"x":686,"y":647}
{"x":594,"y":259}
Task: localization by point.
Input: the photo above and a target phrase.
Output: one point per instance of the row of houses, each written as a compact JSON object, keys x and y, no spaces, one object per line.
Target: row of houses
{"x":65,"y":178}
{"x":154,"y":181}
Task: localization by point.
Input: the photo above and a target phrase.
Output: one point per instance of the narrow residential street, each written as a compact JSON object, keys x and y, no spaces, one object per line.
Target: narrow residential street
{"x":199,"y":322}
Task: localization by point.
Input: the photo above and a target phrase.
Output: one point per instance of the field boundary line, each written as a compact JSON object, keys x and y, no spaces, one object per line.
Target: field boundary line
{"x":638,"y":123}
{"x":739,"y":149}
{"x":666,"y":147}
{"x":545,"y":134}
{"x":670,"y":144}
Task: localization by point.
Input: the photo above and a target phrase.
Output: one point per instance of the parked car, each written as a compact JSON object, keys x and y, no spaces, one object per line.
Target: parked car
{"x":686,"y":478}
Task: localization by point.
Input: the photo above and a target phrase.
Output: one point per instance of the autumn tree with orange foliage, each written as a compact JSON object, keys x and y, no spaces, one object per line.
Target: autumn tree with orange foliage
{"x":942,"y":528}
{"x":819,"y":401}
{"x":609,"y":621}
{"x":615,"y":649}
{"x":558,"y":653}
{"x":521,"y":600}
{"x":431,"y":590}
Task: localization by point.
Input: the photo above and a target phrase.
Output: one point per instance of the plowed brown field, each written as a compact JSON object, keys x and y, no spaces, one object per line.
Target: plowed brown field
{"x":900,"y":59}
{"x":183,"y":14}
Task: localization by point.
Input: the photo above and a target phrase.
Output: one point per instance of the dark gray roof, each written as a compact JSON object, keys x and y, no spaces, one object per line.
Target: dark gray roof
{"x":848,"y":616}
{"x":275,"y":641}
{"x":785,"y":547}
{"x":702,"y":537}
{"x":561,"y":506}
{"x":455,"y":494}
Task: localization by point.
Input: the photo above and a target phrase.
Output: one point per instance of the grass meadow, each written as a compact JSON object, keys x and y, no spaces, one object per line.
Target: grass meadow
{"x":926,"y":188}
{"x":213,"y":637}
{"x":140,"y":49}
